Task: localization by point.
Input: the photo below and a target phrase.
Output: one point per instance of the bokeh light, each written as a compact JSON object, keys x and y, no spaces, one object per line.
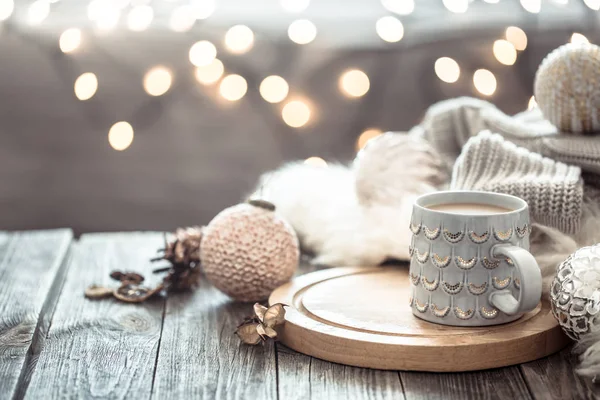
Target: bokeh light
{"x":120,"y":135}
{"x":532,"y":6}
{"x":202,"y":53}
{"x":274,"y":89}
{"x":294,"y":6}
{"x":402,"y":7}
{"x":38,"y":11}
{"x":505,"y":52}
{"x":532,"y":103}
{"x":182,"y":18}
{"x":447,"y":69}
{"x":492,"y":1}
{"x":85,"y":86}
{"x":295,"y":113}
{"x":302,"y":31}
{"x":517,"y":37}
{"x":139,"y":18}
{"x":593,"y":4}
{"x":239,"y":39}
{"x":233,"y":87}
{"x":456,"y":6}
{"x":6,"y":9}
{"x":316,"y":162}
{"x":578,"y":38}
{"x":389,"y":29}
{"x":203,"y":9}
{"x":367,"y":135}
{"x":70,"y":40}
{"x":211,"y":73}
{"x":485,"y":82}
{"x":108,"y":17}
{"x":157,"y":81}
{"x":354,"y":83}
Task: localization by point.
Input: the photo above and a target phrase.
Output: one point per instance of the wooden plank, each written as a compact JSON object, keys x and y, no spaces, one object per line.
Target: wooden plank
{"x":201,"y":357}
{"x":101,"y":348}
{"x":554,"y":377}
{"x":503,"y":383}
{"x":32,"y":266}
{"x":303,"y":377}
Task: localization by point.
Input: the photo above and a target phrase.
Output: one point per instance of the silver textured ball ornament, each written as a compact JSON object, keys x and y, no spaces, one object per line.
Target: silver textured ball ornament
{"x":567,"y":88}
{"x":248,"y":250}
{"x":575,"y":292}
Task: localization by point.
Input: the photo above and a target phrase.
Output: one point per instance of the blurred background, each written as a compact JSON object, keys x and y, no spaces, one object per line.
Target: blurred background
{"x":153,"y":114}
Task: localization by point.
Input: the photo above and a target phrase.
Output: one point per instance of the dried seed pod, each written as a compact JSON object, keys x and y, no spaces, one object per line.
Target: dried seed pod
{"x":98,"y":292}
{"x":262,"y":204}
{"x":134,"y":293}
{"x":132,"y":277}
{"x":265,"y":331}
{"x":248,"y":333}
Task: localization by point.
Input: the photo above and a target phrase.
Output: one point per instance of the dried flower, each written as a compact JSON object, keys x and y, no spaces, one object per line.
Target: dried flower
{"x":258,"y":328}
{"x":134,"y":293}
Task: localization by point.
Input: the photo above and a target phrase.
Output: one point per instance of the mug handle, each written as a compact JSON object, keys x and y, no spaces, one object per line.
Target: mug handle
{"x":531,"y":281}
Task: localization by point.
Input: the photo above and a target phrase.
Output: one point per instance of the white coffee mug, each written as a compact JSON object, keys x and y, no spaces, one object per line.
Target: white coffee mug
{"x":472,"y":267}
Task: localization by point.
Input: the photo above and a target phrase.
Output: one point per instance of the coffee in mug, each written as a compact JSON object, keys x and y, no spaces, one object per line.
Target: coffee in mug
{"x":470,"y":262}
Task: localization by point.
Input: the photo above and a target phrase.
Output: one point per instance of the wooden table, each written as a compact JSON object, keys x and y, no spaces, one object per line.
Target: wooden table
{"x":56,"y":343}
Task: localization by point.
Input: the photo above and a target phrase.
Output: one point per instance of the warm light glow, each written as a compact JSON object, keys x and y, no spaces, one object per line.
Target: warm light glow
{"x":447,"y":69}
{"x":38,"y":11}
{"x":295,"y":113}
{"x":302,"y":31}
{"x":6,"y":9}
{"x":456,"y":6}
{"x":211,"y":73}
{"x":532,"y":103}
{"x":157,"y":81}
{"x":120,"y":135}
{"x":239,"y":39}
{"x":203,"y":9}
{"x":517,"y":37}
{"x":107,"y":16}
{"x":593,"y":4}
{"x":402,"y":7}
{"x":182,"y":18}
{"x":274,"y":89}
{"x":505,"y":52}
{"x":69,"y":40}
{"x":389,"y":29}
{"x":579,"y":38}
{"x":294,"y":6}
{"x":139,"y":18}
{"x":485,"y":82}
{"x":316,"y":162}
{"x":86,"y":86}
{"x":202,"y":53}
{"x":354,"y":83}
{"x":233,"y":87}
{"x":533,"y":6}
{"x":367,"y":135}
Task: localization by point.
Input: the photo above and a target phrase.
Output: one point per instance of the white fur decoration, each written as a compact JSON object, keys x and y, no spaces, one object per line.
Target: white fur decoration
{"x":359,"y":215}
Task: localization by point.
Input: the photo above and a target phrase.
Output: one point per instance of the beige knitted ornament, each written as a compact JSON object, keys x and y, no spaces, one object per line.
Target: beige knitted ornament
{"x":248,"y":250}
{"x":567,"y":88}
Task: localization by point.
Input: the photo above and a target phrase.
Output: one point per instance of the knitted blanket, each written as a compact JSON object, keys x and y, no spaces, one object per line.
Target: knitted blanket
{"x":522,"y":155}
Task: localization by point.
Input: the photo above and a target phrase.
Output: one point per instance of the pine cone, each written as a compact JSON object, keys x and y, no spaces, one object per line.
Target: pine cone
{"x":184,"y":255}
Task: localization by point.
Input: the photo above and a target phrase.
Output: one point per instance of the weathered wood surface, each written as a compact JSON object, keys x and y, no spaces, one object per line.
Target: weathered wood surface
{"x":101,"y":348}
{"x":304,"y":377}
{"x":554,"y":377}
{"x":201,"y":357}
{"x":185,"y":347}
{"x":31,"y":269}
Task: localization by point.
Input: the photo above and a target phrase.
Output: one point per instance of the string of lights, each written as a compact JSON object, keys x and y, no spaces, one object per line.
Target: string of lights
{"x":296,"y":109}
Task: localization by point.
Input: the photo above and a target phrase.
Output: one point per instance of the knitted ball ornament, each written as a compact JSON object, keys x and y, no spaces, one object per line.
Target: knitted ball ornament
{"x":567,"y":88}
{"x":247,"y":251}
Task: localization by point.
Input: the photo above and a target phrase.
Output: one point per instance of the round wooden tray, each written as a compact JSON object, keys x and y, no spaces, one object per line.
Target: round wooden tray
{"x":361,"y":317}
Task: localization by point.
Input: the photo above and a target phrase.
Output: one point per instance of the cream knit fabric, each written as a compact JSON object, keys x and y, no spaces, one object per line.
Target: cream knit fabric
{"x":553,"y":190}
